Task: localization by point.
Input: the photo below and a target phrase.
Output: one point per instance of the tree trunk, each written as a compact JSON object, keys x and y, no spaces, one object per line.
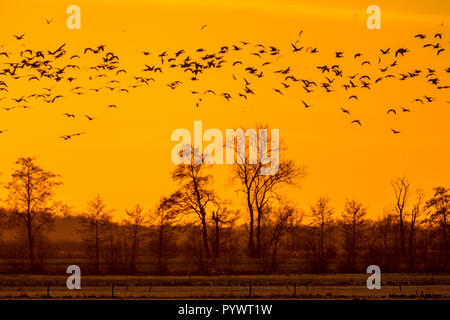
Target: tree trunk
{"x":97,"y":249}
{"x":444,"y":238}
{"x":205,"y":237}
{"x":354,"y":246}
{"x":202,"y":214}
{"x":251,"y":243}
{"x":402,"y":241}
{"x":160,"y":249}
{"x":258,"y":234}
{"x":30,"y":234}
{"x":321,"y":242}
{"x":411,"y":247}
{"x":31,"y":246}
{"x":217,"y":244}
{"x":274,"y":256}
{"x":133,"y":253}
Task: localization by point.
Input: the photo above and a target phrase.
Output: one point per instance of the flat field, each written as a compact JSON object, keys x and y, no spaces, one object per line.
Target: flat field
{"x":304,"y":286}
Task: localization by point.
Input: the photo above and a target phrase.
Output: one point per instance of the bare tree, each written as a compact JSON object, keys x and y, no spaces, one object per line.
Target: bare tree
{"x":30,"y":197}
{"x":277,"y":226}
{"x":135,"y":222}
{"x":221,"y":216}
{"x":112,"y":246}
{"x":386,"y":226}
{"x":416,"y":213}
{"x":439,"y":216}
{"x":401,"y":192}
{"x":353,"y":221}
{"x":163,"y":219}
{"x":195,"y":195}
{"x":96,"y":226}
{"x":322,"y":223}
{"x":259,"y":189}
{"x":3,"y":219}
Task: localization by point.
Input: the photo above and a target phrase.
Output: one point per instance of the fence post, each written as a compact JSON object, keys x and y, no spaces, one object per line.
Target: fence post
{"x":150,"y":287}
{"x":250,"y":289}
{"x":48,"y":290}
{"x":295,"y":290}
{"x":112,"y":290}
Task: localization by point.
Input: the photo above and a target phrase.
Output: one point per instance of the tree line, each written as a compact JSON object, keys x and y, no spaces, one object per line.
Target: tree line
{"x":194,"y":230}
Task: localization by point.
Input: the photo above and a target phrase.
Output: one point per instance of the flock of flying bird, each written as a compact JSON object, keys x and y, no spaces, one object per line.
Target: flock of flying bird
{"x":59,"y":67}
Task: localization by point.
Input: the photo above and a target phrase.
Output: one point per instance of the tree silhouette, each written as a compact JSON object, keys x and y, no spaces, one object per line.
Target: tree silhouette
{"x":322,"y":223}
{"x":439,"y":216}
{"x":277,"y":224}
{"x":387,"y":229}
{"x":260,"y":190}
{"x":162,"y":219}
{"x":135,"y":222}
{"x":401,"y":192}
{"x":31,"y":192}
{"x":195,"y":195}
{"x":353,"y":221}
{"x":3,"y":220}
{"x":221,"y":215}
{"x":195,"y":226}
{"x":95,"y":227}
{"x":416,"y":213}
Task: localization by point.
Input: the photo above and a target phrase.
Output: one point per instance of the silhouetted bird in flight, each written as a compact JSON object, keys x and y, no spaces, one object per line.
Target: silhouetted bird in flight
{"x":401,"y":51}
{"x":306,"y":105}
{"x":391,"y":110}
{"x":278,"y":91}
{"x":295,"y":49}
{"x":69,"y":136}
{"x":105,"y":70}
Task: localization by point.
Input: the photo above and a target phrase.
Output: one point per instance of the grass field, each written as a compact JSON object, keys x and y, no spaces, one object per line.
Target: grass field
{"x":305,"y":286}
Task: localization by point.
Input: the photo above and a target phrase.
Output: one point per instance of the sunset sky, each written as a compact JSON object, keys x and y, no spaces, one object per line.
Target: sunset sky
{"x":125,"y":154}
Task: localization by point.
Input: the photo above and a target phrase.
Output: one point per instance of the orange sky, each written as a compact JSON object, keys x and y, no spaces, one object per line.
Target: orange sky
{"x":125,"y":155}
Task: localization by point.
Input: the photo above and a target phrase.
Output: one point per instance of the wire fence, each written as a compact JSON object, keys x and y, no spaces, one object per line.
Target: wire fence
{"x":242,"y":291}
